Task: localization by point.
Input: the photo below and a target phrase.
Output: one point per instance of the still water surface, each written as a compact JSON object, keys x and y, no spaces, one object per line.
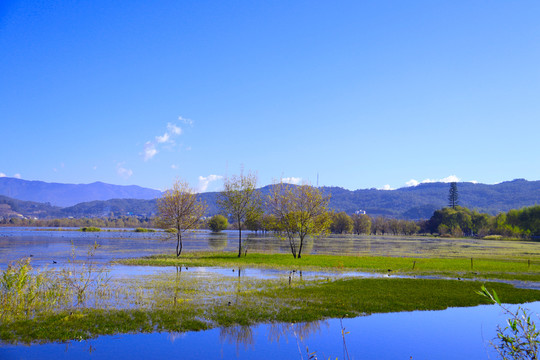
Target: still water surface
{"x":455,"y":333}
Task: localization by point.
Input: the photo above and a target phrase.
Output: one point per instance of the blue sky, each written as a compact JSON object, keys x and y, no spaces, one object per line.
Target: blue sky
{"x":364,"y":93}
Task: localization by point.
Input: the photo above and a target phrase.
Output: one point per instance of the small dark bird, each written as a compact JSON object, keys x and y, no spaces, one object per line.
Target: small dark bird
{"x":229,"y":304}
{"x":31,"y":255}
{"x":54,"y":262}
{"x":187,"y":268}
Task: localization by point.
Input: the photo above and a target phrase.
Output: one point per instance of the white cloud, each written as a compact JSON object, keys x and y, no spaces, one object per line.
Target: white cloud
{"x":173,"y":129}
{"x":451,"y":178}
{"x":149,"y":150}
{"x":386,"y":187}
{"x":412,"y":182}
{"x":205,"y":181}
{"x":17,"y":176}
{"x":162,"y":139}
{"x":123,"y":172}
{"x":150,"y":147}
{"x":292,"y":180}
{"x":185,"y":121}
{"x":174,"y":166}
{"x":2,"y":174}
{"x":474,"y":182}
{"x":448,"y":179}
{"x":95,"y":167}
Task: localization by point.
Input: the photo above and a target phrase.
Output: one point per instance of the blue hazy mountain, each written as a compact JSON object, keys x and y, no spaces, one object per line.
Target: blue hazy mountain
{"x":416,"y":202}
{"x":64,"y":195}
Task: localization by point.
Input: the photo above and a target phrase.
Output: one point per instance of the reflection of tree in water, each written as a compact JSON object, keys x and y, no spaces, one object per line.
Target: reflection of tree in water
{"x":299,"y":330}
{"x":239,"y":335}
{"x":244,"y":335}
{"x":217,"y":241}
{"x":262,"y":242}
{"x":285,"y":247}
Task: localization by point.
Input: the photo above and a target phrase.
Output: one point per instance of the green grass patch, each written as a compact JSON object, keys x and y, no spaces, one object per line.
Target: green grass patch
{"x":251,"y":302}
{"x":508,"y":269}
{"x":90,"y":229}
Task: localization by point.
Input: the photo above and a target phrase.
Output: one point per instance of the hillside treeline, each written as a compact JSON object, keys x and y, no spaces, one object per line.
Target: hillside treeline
{"x":117,"y":222}
{"x":448,"y":222}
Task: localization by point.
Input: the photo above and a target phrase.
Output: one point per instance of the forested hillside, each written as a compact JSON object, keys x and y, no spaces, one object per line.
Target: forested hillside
{"x":411,"y":203}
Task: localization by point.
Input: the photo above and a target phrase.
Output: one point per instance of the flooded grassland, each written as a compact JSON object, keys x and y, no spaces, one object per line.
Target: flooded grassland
{"x":209,"y":288}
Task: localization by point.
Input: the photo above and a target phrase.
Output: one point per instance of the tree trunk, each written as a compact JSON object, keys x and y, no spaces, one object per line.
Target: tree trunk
{"x":300,"y":248}
{"x":178,"y":244}
{"x":239,"y":239}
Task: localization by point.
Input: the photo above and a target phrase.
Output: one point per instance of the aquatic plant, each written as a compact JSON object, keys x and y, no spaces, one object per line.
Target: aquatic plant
{"x":519,"y":339}
{"x":25,"y":292}
{"x":79,"y":277}
{"x":90,"y":229}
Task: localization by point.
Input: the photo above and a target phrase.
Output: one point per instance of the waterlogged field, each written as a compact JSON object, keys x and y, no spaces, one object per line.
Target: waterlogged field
{"x":248,"y":299}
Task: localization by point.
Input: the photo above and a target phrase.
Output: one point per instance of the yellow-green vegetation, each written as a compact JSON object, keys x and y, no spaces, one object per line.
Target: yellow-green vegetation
{"x":182,"y":301}
{"x":90,"y":229}
{"x":481,"y":268}
{"x":144,"y":230}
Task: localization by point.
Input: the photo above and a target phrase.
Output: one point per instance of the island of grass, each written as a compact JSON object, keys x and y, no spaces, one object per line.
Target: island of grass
{"x":470,"y":268}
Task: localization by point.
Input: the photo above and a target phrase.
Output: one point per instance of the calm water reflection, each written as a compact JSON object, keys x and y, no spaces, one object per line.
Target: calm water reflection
{"x":456,"y":333}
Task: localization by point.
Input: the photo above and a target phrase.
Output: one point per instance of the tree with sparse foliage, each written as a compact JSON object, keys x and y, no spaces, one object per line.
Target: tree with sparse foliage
{"x":241,"y":200}
{"x":453,"y":195}
{"x":218,"y":223}
{"x":301,"y":212}
{"x":180,"y":208}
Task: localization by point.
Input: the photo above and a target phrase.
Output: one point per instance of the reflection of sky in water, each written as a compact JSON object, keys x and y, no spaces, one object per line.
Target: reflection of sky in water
{"x":455,"y":333}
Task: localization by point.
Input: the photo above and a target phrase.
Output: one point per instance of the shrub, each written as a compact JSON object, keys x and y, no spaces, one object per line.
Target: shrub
{"x":218,"y":223}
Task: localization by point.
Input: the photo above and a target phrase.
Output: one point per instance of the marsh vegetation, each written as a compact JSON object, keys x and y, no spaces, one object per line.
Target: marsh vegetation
{"x":80,"y":299}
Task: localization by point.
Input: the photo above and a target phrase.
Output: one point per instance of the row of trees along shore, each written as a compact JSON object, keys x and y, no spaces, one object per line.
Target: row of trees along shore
{"x":297,"y":212}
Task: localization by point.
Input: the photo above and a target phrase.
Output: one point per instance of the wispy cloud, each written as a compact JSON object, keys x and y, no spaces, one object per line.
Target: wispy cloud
{"x":292,"y":180}
{"x":386,"y":187}
{"x":122,"y":171}
{"x":149,"y":150}
{"x":205,"y":181}
{"x":151,"y":147}
{"x":185,"y":121}
{"x":174,"y":166}
{"x":2,"y":174}
{"x":17,"y":176}
{"x":448,"y":179}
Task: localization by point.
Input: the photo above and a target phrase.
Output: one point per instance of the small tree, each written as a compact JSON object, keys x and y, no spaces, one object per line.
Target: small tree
{"x":341,"y":223}
{"x":361,"y":224}
{"x":301,"y":211}
{"x":240,"y":199}
{"x":218,"y":223}
{"x":179,"y":208}
{"x":453,"y":195}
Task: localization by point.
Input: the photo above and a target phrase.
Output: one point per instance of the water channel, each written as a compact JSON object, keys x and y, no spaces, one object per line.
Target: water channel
{"x":454,"y":333}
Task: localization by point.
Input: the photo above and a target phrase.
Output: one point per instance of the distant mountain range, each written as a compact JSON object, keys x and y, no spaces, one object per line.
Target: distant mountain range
{"x":44,"y":200}
{"x":64,"y":195}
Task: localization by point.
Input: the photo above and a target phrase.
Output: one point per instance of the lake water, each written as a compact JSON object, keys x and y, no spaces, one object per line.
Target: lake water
{"x":455,"y":333}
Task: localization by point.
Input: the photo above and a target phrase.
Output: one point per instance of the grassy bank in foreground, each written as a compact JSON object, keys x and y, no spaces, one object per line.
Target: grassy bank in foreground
{"x":273,"y":301}
{"x":514,"y":269}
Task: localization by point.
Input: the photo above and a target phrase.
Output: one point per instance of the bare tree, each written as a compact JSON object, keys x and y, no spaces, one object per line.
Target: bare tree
{"x":179,"y":208}
{"x":301,"y":211}
{"x":241,"y":200}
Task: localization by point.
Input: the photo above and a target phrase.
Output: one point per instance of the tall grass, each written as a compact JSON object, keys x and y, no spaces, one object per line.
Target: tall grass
{"x":24,"y":292}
